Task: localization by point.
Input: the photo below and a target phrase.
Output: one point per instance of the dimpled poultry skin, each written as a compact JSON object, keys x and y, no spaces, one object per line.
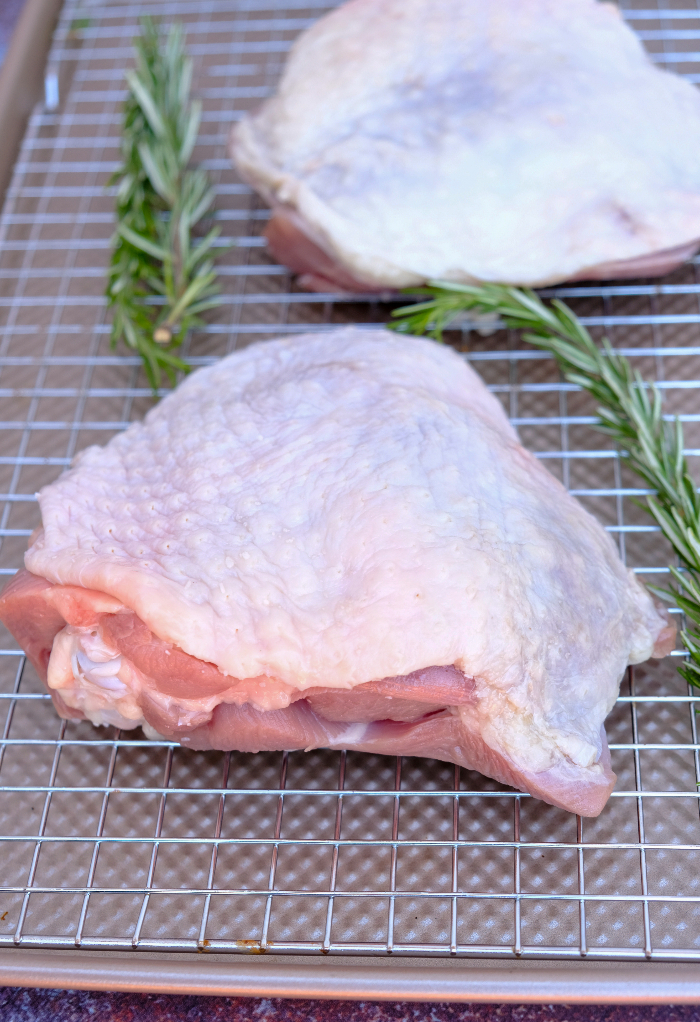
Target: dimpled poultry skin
{"x":336,"y":540}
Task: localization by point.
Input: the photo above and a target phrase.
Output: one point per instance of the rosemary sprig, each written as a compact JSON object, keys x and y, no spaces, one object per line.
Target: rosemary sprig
{"x":629,"y":411}
{"x":160,"y":278}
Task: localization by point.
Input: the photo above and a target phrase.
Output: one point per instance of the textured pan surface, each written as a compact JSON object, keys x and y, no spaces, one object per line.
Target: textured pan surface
{"x":111,"y":841}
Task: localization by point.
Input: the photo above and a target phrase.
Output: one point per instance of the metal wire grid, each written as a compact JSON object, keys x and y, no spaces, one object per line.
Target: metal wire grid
{"x":112,"y":841}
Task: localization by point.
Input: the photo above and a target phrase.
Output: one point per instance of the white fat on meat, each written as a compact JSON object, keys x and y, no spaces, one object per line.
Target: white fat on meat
{"x":321,"y":531}
{"x":87,"y":674}
{"x":106,"y":688}
{"x":516,"y":141}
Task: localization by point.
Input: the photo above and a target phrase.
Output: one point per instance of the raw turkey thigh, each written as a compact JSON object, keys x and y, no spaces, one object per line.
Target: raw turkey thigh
{"x":337,"y":540}
{"x":519,"y":141}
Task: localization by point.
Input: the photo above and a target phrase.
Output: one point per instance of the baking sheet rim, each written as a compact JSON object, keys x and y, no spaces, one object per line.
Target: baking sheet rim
{"x":21,"y":77}
{"x":587,"y":983}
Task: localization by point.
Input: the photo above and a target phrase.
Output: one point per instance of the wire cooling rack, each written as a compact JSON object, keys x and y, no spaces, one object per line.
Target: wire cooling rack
{"x":111,"y":841}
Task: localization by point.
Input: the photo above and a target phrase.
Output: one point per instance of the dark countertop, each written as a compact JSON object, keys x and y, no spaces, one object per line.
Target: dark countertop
{"x":74,"y":1006}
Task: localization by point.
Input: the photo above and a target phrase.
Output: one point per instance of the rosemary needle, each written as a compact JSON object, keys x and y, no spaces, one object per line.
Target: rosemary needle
{"x":629,"y":411}
{"x":161,"y":279}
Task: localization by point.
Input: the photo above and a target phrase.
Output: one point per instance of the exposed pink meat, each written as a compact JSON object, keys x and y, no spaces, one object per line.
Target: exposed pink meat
{"x":34,"y":610}
{"x":176,"y":674}
{"x":291,"y":245}
{"x":401,"y":716}
{"x":655,"y":264}
{"x":406,"y":698}
{"x":172,"y":671}
{"x":250,"y":730}
{"x":439,"y":736}
{"x":444,"y":737}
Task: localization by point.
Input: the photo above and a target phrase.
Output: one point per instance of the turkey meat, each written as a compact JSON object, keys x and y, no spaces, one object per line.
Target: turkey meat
{"x":519,"y":141}
{"x":336,"y":540}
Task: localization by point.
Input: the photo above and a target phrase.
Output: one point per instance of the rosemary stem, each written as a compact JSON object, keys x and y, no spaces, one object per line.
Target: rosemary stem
{"x":160,"y":201}
{"x":630,"y":412}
